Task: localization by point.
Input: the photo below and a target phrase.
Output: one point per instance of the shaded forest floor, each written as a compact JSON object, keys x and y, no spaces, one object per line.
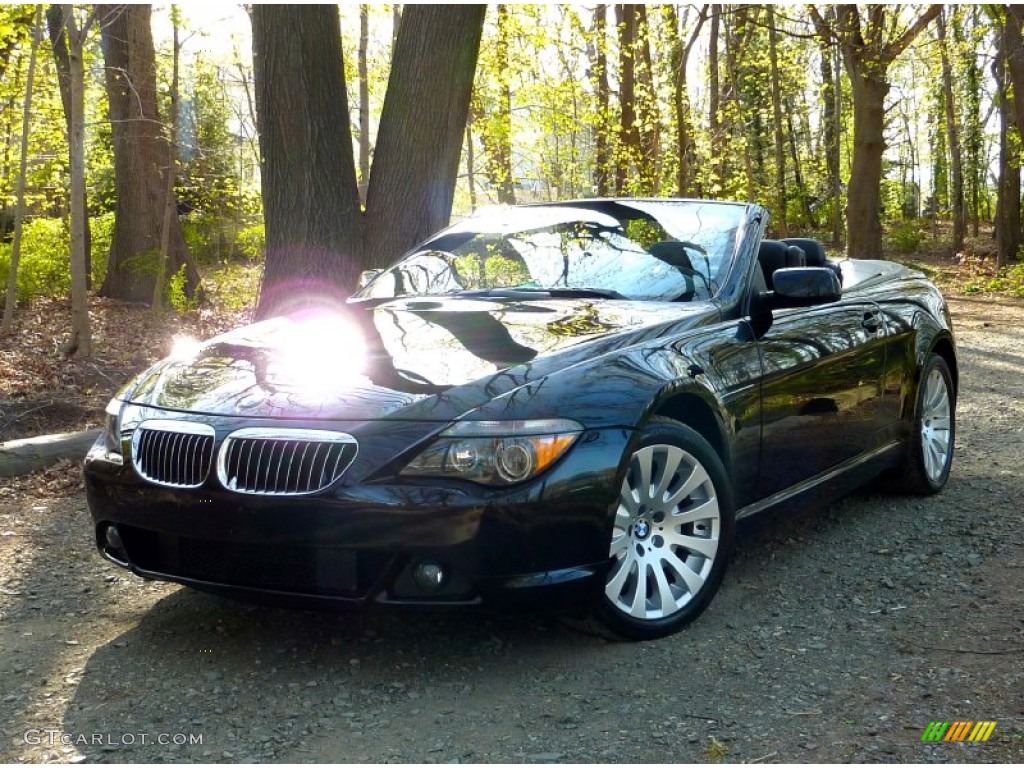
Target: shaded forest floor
{"x":42,"y":393}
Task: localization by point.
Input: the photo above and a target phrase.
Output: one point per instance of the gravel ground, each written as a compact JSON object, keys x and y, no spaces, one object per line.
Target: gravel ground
{"x":838,"y":635}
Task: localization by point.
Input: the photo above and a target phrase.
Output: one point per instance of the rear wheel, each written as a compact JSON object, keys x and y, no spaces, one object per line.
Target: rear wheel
{"x":930,"y":453}
{"x":672,"y":534}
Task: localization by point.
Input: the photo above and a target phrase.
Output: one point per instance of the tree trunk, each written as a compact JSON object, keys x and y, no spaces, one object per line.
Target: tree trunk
{"x":19,"y":216}
{"x":1015,"y":70}
{"x":629,"y":134}
{"x":602,"y":159}
{"x":953,"y":132}
{"x":863,"y":199}
{"x":1015,"y":60}
{"x":714,"y":96}
{"x":318,"y":241}
{"x":170,"y":202}
{"x":416,"y":161}
{"x":364,"y":101}
{"x":310,"y":198}
{"x":798,"y":176}
{"x":780,"y":147}
{"x":867,"y":59}
{"x":830,"y":128}
{"x":80,"y":341}
{"x":141,"y":159}
{"x":680,"y":55}
{"x":648,"y":127}
{"x":59,"y":44}
{"x":1008,"y":218}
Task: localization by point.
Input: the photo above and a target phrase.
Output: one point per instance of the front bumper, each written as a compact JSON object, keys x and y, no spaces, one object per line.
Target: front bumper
{"x":540,"y":545}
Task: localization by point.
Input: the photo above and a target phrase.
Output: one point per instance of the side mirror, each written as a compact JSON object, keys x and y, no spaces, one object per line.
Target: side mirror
{"x":367,"y":276}
{"x":805,"y":286}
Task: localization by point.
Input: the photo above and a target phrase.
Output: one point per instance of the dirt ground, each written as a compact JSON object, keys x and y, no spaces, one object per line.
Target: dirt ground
{"x":839,"y":634}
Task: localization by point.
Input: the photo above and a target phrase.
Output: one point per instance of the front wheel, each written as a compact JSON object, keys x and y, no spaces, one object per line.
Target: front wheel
{"x":671,"y":536}
{"x":930,"y":453}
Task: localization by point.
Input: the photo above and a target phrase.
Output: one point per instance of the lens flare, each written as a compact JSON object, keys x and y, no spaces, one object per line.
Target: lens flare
{"x":184,"y":348}
{"x":321,"y":352}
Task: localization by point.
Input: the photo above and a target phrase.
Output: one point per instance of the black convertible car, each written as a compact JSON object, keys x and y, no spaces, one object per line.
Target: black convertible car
{"x":548,"y":405}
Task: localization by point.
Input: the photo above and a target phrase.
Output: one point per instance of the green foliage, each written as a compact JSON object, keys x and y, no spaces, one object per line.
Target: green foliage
{"x":176,"y":292}
{"x":1009,"y":280}
{"x":905,"y":236}
{"x":218,"y":239}
{"x":101,"y":232}
{"x":233,"y":286}
{"x":43,"y":266}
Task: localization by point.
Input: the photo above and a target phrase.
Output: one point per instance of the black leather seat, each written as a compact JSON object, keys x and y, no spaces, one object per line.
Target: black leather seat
{"x":774,"y":254}
{"x":814,"y":253}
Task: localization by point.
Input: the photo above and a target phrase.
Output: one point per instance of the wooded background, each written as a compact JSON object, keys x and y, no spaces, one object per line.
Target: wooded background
{"x":330,"y":141}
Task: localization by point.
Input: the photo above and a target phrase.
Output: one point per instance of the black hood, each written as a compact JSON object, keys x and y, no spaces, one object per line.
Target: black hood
{"x":427,"y":358}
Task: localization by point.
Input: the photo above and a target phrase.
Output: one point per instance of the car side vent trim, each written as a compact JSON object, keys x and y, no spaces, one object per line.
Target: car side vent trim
{"x":283,"y":462}
{"x":176,"y":454}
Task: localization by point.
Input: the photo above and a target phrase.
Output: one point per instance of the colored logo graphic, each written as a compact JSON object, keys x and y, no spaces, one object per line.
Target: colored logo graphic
{"x":958,"y":730}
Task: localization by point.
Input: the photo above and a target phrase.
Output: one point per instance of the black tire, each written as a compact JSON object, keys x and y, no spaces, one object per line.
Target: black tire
{"x":930,"y":450}
{"x":685,"y":480}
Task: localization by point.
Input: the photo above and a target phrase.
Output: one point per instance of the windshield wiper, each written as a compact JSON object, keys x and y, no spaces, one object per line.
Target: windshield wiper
{"x":530,"y":293}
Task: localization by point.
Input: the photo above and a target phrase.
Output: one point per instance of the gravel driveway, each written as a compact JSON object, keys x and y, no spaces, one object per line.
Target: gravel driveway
{"x":839,"y":634}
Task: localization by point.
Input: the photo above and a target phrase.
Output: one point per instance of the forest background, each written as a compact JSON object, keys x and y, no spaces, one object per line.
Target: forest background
{"x":177,"y":175}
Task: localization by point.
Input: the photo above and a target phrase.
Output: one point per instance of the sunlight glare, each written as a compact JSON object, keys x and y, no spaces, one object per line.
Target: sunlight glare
{"x":324,"y":353}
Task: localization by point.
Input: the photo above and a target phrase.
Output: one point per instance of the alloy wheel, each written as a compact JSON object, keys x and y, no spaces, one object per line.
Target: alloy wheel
{"x":666,"y":534}
{"x":936,"y":424}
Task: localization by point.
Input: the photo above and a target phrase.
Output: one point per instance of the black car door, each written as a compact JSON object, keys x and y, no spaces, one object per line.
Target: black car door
{"x":821,"y":390}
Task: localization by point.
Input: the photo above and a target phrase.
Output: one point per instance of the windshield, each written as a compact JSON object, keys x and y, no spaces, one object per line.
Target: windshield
{"x":637,"y":250}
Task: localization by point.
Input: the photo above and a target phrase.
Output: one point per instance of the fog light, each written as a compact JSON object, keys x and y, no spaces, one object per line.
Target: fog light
{"x":429,"y":576}
{"x":114,"y":538}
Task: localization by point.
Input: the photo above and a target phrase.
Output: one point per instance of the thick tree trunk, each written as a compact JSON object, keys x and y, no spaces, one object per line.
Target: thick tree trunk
{"x":867,"y":57}
{"x":416,"y":160}
{"x":141,"y":159}
{"x":863,"y":200}
{"x":953,"y":132}
{"x":310,"y":198}
{"x":59,"y":44}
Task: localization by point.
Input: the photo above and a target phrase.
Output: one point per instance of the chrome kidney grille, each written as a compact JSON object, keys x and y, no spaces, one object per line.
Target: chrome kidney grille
{"x":283,"y":462}
{"x":173,"y":453}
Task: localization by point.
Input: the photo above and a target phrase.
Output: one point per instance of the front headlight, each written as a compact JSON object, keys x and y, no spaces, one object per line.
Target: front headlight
{"x":496,"y":452}
{"x":112,"y":427}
